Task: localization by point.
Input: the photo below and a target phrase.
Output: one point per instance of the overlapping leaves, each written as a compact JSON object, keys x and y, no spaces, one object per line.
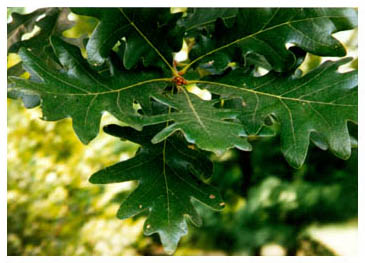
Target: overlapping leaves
{"x":20,"y":25}
{"x":202,"y":123}
{"x":139,"y":28}
{"x":167,"y":174}
{"x":50,"y":21}
{"x":131,"y":41}
{"x":82,"y":94}
{"x":262,"y":34}
{"x":322,"y":101}
{"x":205,"y":18}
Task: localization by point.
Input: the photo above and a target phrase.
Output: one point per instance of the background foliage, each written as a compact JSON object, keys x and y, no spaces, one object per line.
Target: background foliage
{"x":271,"y":207}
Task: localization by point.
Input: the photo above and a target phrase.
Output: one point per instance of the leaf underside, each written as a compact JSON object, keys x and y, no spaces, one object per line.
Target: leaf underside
{"x":137,"y":84}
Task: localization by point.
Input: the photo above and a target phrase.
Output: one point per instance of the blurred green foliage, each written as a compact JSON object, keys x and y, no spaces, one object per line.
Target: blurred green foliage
{"x":53,"y":210}
{"x":270,"y":202}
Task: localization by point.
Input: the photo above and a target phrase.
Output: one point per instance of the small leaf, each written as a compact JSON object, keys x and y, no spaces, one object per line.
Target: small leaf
{"x":54,"y":23}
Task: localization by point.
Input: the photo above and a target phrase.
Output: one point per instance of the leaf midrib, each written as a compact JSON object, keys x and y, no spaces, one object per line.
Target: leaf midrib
{"x":268,"y":94}
{"x":148,"y":42}
{"x":254,"y":34}
{"x":95,"y":93}
{"x":196,"y":115}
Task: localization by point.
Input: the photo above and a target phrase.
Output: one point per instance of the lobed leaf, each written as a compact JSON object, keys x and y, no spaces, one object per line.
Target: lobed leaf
{"x":322,"y":101}
{"x":117,"y":75}
{"x":266,"y":32}
{"x":54,"y":22}
{"x":167,"y":175}
{"x":210,"y":128}
{"x":82,"y":94}
{"x":140,"y":28}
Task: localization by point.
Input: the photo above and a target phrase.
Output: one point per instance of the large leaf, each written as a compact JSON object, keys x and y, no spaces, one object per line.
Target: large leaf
{"x":82,"y":94}
{"x":208,"y":127}
{"x":150,"y":34}
{"x":265,"y":32}
{"x":167,"y":182}
{"x":322,"y":101}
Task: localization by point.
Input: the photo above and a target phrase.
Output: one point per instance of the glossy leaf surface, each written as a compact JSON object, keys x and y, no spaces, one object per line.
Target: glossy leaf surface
{"x":202,"y":124}
{"x":128,"y":70}
{"x":140,"y":29}
{"x":80,"y":93}
{"x":167,"y":182}
{"x":321,"y":101}
{"x":266,"y":32}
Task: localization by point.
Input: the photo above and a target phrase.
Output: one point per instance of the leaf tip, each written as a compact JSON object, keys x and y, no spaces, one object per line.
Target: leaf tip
{"x":94,"y":179}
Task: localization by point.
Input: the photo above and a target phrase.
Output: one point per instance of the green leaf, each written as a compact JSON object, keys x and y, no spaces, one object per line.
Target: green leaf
{"x":208,"y":127}
{"x":322,"y":101}
{"x":267,"y":31}
{"x":82,"y":94}
{"x":54,"y":22}
{"x":29,"y":101}
{"x":205,"y":18}
{"x":149,"y":34}
{"x":167,"y":182}
{"x":199,"y":24}
{"x":129,"y":72}
{"x":111,"y":28}
{"x":215,"y":63}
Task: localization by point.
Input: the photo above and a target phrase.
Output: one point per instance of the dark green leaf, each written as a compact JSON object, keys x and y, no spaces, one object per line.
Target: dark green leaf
{"x":210,"y":128}
{"x":267,"y":31}
{"x":205,"y":18}
{"x":321,"y":101}
{"x":141,"y":29}
{"x":15,"y":70}
{"x":82,"y":94}
{"x":54,"y":22}
{"x":129,"y":72}
{"x":167,"y":182}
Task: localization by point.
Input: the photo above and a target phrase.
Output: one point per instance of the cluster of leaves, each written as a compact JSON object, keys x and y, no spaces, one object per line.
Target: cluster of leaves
{"x":129,"y":72}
